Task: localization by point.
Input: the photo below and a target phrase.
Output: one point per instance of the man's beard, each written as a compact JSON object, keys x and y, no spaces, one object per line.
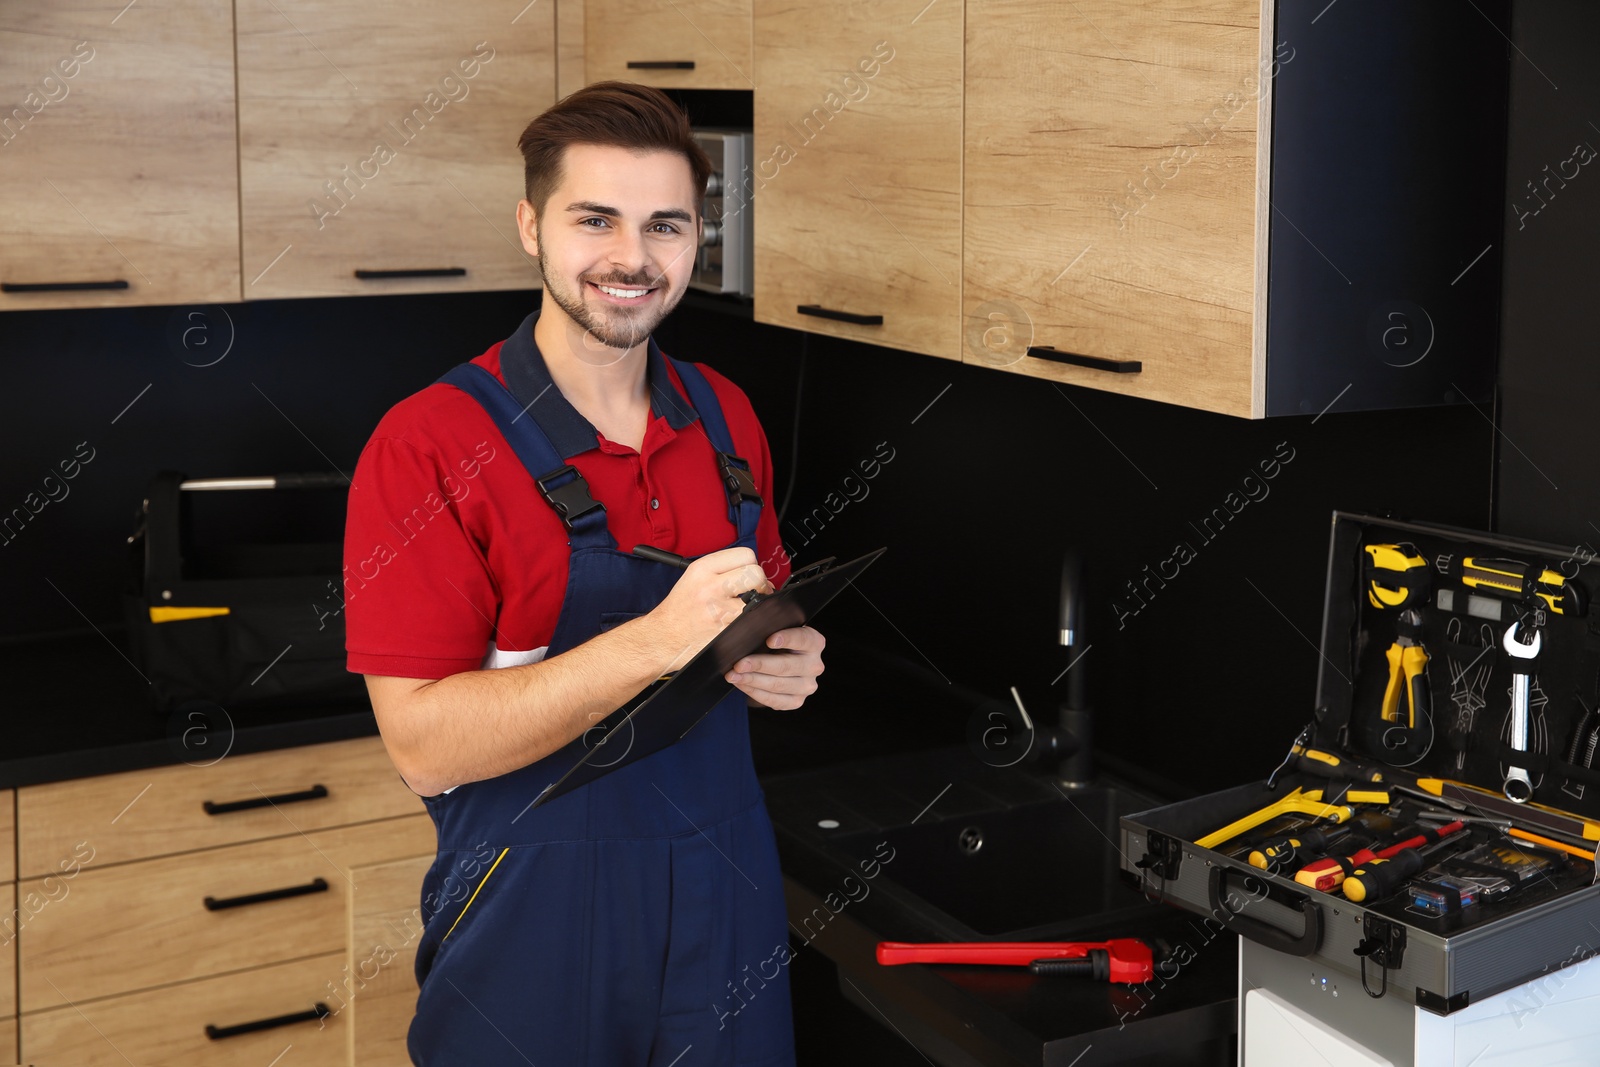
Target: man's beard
{"x":615,"y":327}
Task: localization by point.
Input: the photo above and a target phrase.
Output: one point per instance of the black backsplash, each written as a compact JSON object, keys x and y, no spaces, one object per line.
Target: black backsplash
{"x":978,"y":480}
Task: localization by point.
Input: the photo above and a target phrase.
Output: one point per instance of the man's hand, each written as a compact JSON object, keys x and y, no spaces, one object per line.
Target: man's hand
{"x":705,"y":600}
{"x":782,"y":679}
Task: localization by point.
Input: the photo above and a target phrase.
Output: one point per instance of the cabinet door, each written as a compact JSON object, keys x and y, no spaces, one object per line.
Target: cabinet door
{"x":856,"y":180}
{"x":118,"y":175}
{"x":385,"y":925}
{"x":676,"y":44}
{"x":378,"y":145}
{"x":1111,"y":194}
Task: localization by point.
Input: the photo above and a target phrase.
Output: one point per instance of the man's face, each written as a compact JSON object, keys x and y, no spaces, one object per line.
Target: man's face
{"x":616,"y":243}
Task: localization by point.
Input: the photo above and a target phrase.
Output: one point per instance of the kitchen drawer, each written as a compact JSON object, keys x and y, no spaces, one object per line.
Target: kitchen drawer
{"x":121,"y":929}
{"x":168,"y":1026}
{"x":160,"y":811}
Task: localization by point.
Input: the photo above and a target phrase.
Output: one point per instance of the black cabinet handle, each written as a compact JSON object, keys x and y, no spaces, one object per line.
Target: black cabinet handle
{"x":316,"y":885}
{"x":316,"y":792}
{"x":1115,"y":366}
{"x":318,"y":1012}
{"x":840,"y":316}
{"x":59,"y":287}
{"x":415,"y":272}
{"x":660,"y":64}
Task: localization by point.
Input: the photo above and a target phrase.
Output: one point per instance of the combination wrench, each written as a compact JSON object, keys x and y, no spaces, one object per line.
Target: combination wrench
{"x":1518,"y":786}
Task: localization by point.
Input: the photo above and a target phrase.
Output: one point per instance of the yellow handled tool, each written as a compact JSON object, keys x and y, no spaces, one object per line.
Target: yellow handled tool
{"x":1299,"y":802}
{"x":1480,"y":801}
{"x":1524,"y":582}
{"x":1408,"y":665}
{"x":1396,"y":573}
{"x":1550,"y":842}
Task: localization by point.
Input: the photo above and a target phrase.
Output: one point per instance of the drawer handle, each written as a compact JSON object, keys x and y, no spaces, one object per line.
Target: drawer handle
{"x":841,"y":316}
{"x":316,"y":885}
{"x":59,"y":287}
{"x":316,"y":792}
{"x":660,"y":64}
{"x":413,"y":272}
{"x":1115,"y":366}
{"x":318,"y":1012}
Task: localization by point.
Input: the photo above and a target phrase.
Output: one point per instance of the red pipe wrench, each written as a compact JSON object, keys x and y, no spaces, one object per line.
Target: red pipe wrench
{"x":1125,"y":959}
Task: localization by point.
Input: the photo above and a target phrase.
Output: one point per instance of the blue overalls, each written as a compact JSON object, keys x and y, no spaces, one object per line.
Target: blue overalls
{"x":639,"y":920}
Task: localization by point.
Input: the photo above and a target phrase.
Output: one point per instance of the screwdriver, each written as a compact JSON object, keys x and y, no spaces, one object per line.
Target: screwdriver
{"x":1381,"y":876}
{"x":1283,"y":849}
{"x":1326,"y":875}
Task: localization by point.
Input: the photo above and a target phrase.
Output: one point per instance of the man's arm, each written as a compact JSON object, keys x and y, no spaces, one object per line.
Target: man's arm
{"x":485,"y":723}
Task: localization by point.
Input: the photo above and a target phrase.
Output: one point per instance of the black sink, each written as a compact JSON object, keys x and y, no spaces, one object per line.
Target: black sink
{"x":1015,"y":871}
{"x":977,"y":852}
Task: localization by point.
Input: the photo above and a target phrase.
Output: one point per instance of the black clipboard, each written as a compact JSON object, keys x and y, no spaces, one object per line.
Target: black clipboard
{"x":670,"y":709}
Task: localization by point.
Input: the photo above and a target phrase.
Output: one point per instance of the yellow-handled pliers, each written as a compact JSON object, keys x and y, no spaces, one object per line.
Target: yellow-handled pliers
{"x":1408,"y":670}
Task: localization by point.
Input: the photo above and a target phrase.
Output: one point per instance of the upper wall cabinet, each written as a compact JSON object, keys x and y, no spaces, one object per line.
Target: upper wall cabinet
{"x":1250,"y":209}
{"x":378,"y":144}
{"x":118,"y":175}
{"x":856,"y":180}
{"x":675,"y":44}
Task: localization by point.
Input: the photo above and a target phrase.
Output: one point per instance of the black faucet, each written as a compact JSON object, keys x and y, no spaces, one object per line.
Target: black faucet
{"x":1067,"y":749}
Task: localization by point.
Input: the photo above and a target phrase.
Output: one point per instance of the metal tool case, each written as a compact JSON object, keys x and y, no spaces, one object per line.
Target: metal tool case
{"x":1455,"y":596}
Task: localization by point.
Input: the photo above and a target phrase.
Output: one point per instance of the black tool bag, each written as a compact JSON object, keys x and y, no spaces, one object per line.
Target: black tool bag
{"x":241,"y":625}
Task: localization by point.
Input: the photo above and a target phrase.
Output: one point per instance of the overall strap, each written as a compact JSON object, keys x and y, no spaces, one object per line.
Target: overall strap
{"x":559,"y":482}
{"x":744,"y":499}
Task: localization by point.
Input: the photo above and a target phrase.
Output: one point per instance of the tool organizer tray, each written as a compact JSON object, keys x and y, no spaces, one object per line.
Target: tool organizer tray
{"x":1429,"y":729}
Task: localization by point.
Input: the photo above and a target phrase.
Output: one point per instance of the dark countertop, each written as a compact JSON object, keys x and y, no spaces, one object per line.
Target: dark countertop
{"x":80,"y":708}
{"x":986,"y":1015}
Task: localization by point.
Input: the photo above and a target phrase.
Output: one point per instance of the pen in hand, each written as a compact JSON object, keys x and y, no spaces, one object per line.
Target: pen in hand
{"x":661,"y":555}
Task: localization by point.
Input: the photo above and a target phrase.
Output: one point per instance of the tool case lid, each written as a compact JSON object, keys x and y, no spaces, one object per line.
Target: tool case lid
{"x":1457,"y":604}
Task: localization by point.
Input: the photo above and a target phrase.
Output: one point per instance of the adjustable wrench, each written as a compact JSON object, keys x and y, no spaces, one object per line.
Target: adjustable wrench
{"x":1518,"y":786}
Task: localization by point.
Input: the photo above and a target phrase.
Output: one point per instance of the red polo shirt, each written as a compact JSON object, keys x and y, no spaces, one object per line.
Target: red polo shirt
{"x":453,"y":561}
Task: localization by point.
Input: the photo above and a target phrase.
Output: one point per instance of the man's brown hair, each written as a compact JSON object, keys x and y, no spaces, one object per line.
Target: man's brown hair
{"x":621,"y":114}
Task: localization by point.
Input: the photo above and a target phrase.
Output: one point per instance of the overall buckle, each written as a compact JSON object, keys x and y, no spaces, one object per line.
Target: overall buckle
{"x":736,"y":479}
{"x":571,"y":499}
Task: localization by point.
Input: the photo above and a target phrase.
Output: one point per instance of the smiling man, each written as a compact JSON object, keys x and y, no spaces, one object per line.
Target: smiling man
{"x":502,"y":615}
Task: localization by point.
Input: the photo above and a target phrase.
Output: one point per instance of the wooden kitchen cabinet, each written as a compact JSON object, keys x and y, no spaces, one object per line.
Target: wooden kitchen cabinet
{"x":378,"y":145}
{"x":674,"y":44}
{"x":195,"y":896}
{"x":118,"y":154}
{"x":856,"y":181}
{"x":15,"y":920}
{"x":1242,"y":207}
{"x":570,"y":20}
{"x":385,"y":923}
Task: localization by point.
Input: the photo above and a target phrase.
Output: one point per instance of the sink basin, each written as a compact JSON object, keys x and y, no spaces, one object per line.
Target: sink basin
{"x":1022,"y":869}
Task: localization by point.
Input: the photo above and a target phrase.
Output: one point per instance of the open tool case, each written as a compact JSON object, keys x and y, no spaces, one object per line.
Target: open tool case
{"x":1414,"y":718}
